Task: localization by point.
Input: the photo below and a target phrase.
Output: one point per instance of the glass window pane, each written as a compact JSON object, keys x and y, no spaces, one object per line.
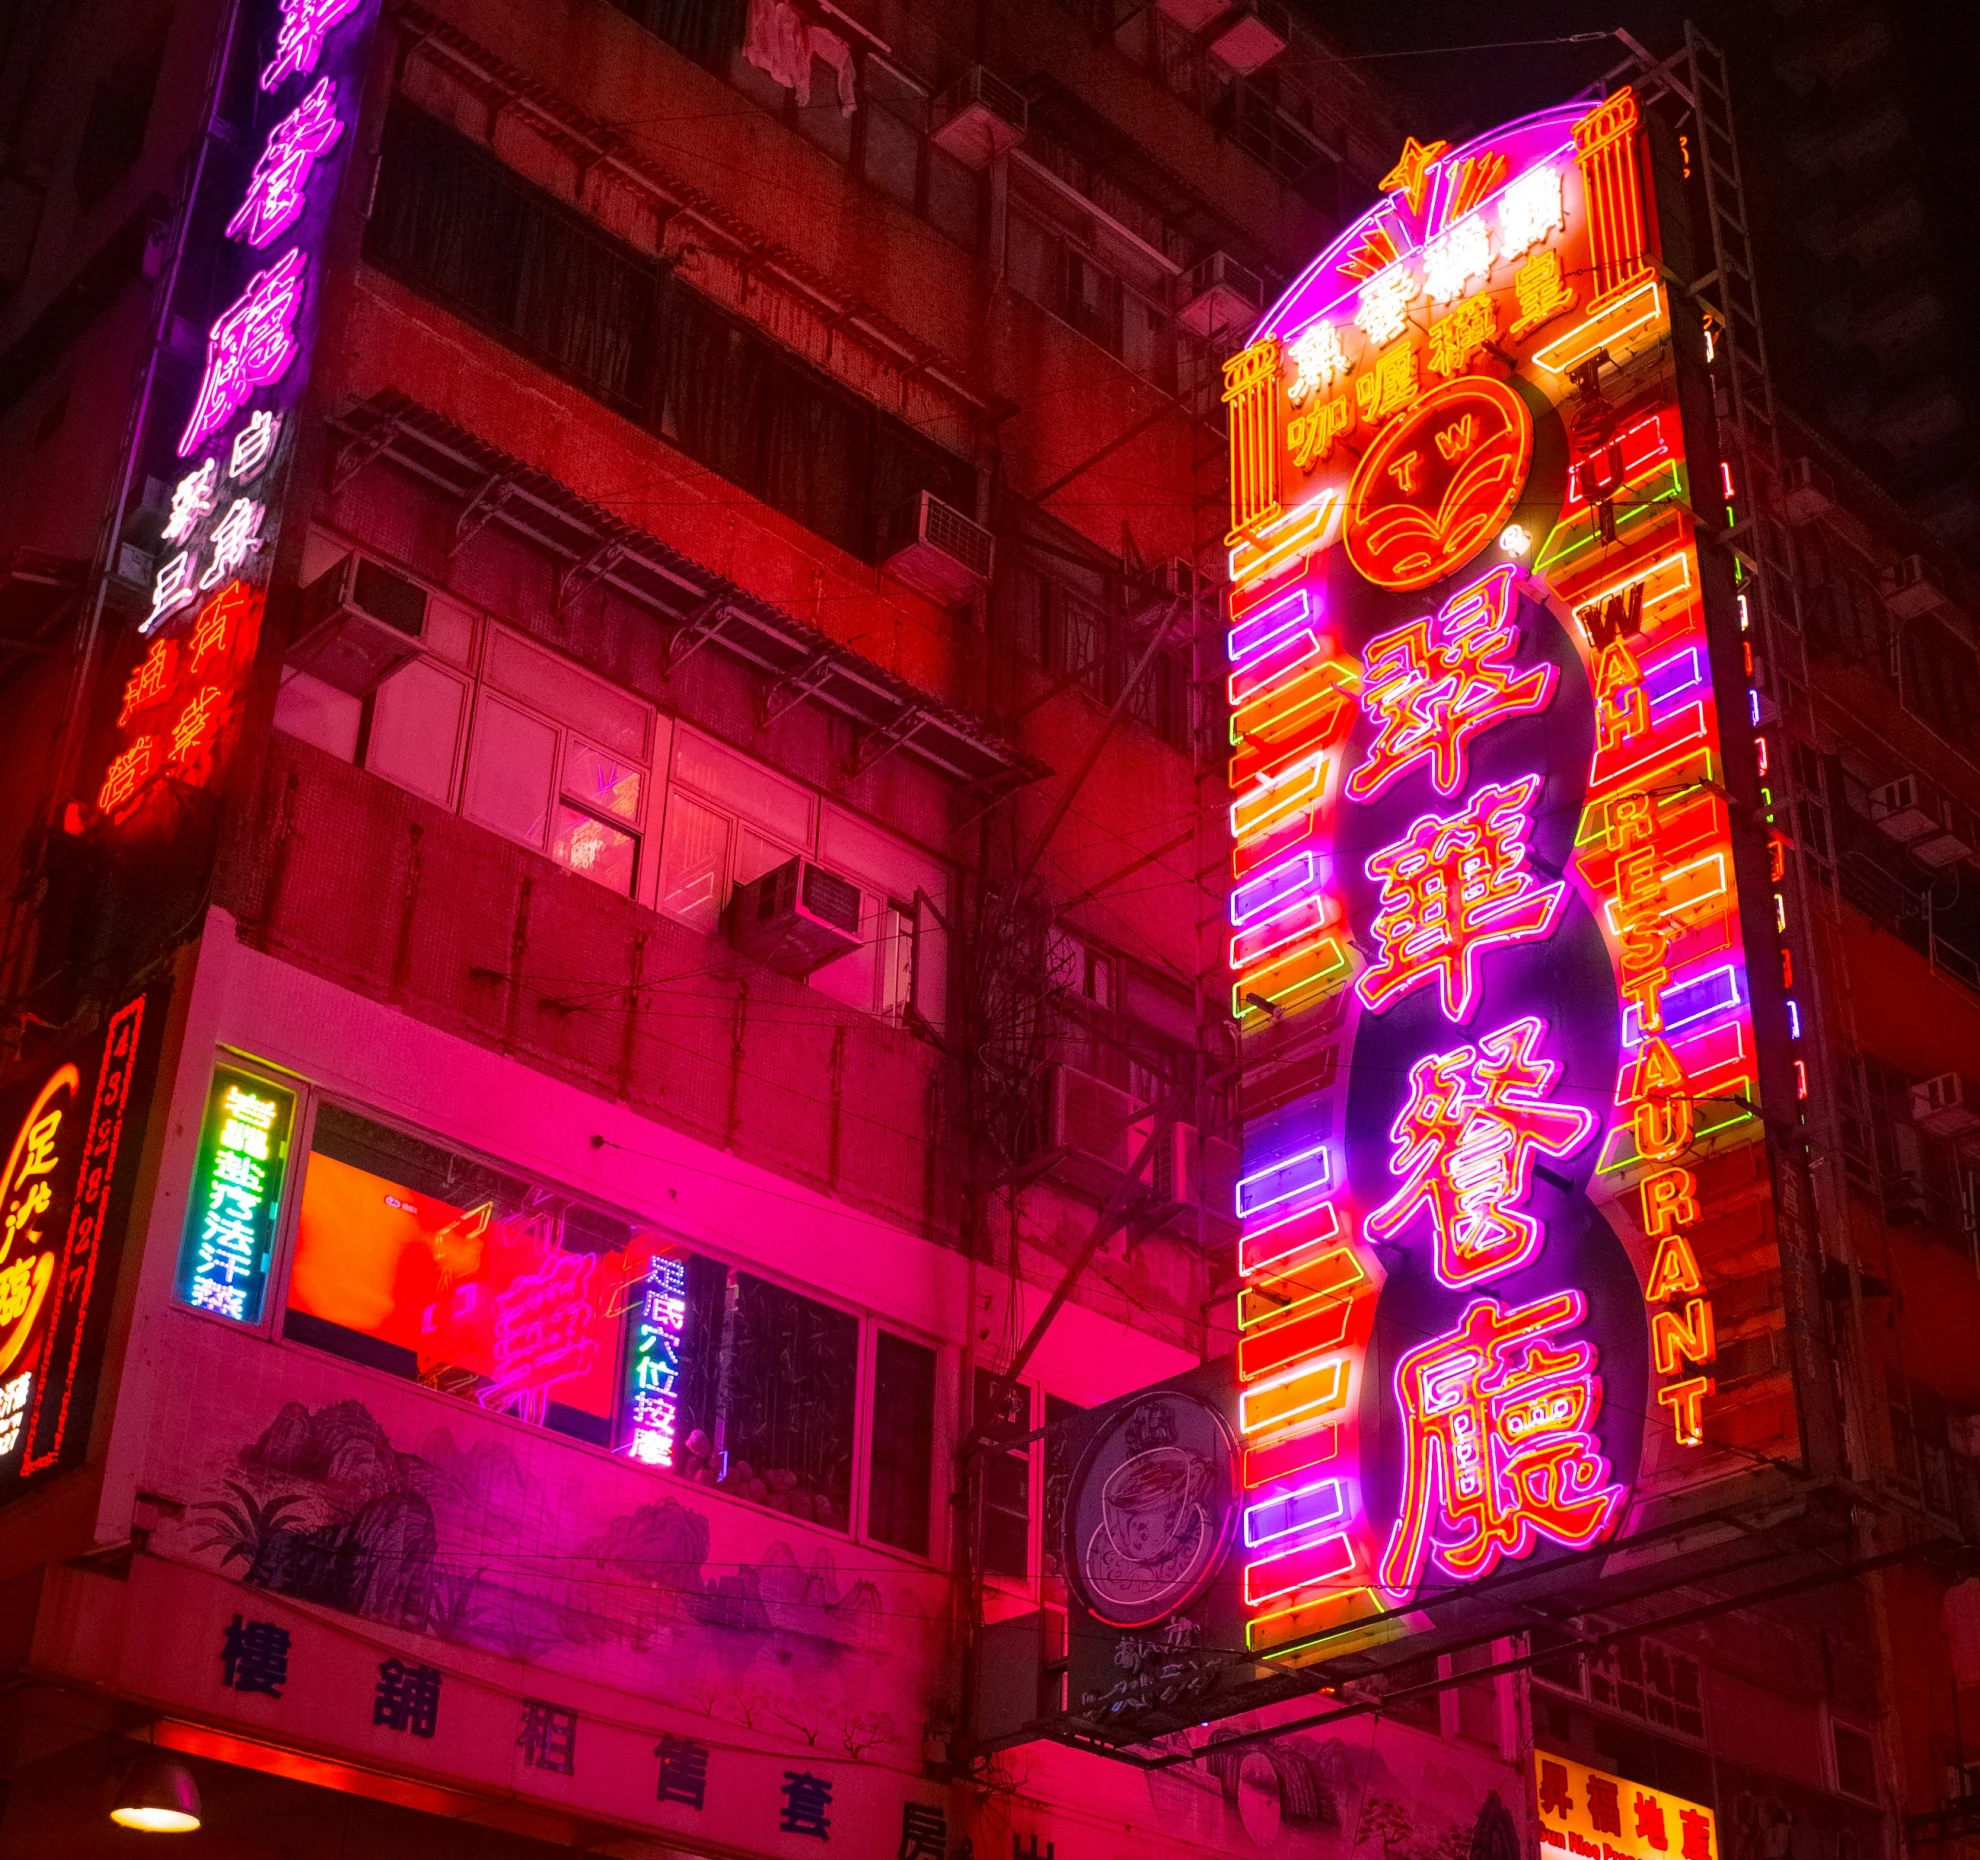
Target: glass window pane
{"x":694,"y":863}
{"x":825,"y":121}
{"x":593,"y":849}
{"x":1007,"y":1484}
{"x":767,"y":1383}
{"x":433,"y":1266}
{"x":893,"y":156}
{"x":902,"y":1463}
{"x":415,"y":727}
{"x":604,"y":785}
{"x":511,"y":764}
{"x":953,"y":195}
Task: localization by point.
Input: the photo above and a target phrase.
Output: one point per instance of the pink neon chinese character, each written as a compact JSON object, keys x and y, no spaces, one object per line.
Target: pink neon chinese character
{"x":1498,"y":1451}
{"x":251,"y":346}
{"x":235,"y":537}
{"x":299,"y":39}
{"x":275,"y":191}
{"x":541,"y":1325}
{"x":192,"y":502}
{"x":1454,"y":886}
{"x":254,"y":445}
{"x":1465,"y":1144}
{"x":176,"y":585}
{"x":1436,"y":683}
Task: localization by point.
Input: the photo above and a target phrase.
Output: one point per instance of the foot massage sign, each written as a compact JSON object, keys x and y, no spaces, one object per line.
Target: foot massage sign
{"x":1502,"y":942}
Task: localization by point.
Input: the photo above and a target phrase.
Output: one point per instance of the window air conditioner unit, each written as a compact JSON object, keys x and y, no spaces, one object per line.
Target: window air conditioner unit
{"x":796,"y":918}
{"x":1088,"y":1131}
{"x":1254,"y":34}
{"x":979,"y":117}
{"x":1218,"y":295}
{"x":1946,"y":1106}
{"x":1950,"y":840}
{"x":358,"y":621}
{"x":1911,"y":586}
{"x":1188,"y":1172}
{"x":1905,"y":809}
{"x":1806,"y":492}
{"x":942,"y":554}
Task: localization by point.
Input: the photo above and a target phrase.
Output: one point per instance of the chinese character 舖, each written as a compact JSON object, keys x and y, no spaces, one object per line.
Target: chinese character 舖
{"x":255,"y":1657}
{"x":1434,"y":684}
{"x":806,"y":1798}
{"x":408,"y":1697}
{"x":192,"y":502}
{"x":1465,"y":1147}
{"x":683,"y":1771}
{"x":548,"y":1739}
{"x":250,"y":346}
{"x":924,"y":1833}
{"x":1529,"y":210}
{"x":1453,"y":887}
{"x":276,"y":190}
{"x":299,"y":39}
{"x":1497,"y":1447}
{"x":1382,"y":310}
{"x":235,"y":537}
{"x":1455,"y":257}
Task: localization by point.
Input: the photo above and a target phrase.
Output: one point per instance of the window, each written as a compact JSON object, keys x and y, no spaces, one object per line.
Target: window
{"x":492,"y":1288}
{"x":1856,"y":1761}
{"x":1647,"y":1679}
{"x":1006,"y":1482}
{"x":900,"y":1485}
{"x":1058,"y":273}
{"x":453,"y":221}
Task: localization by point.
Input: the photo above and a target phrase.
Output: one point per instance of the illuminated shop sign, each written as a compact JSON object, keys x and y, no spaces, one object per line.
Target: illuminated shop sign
{"x":1484,"y":897}
{"x":228,"y":1248}
{"x":1588,"y":1814}
{"x":64,"y":1195}
{"x":250,"y":277}
{"x":651,"y":1405}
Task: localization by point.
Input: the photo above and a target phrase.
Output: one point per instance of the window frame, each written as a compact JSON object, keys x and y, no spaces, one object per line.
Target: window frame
{"x":310,"y":1097}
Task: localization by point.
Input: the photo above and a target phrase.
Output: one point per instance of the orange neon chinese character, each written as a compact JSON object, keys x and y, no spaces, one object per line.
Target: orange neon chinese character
{"x":196,"y":725}
{"x":1456,"y":338}
{"x":1542,"y":292}
{"x":1498,"y":1451}
{"x":1437,"y":682}
{"x":1466,"y":1143}
{"x":1390,"y":385}
{"x":127,"y":773}
{"x":149,"y":680}
{"x":213,"y":626}
{"x":1313,"y":434}
{"x":1453,"y":887}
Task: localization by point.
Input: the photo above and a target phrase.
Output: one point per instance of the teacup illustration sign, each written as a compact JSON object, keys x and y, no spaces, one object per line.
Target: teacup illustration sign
{"x":1150,"y":1510}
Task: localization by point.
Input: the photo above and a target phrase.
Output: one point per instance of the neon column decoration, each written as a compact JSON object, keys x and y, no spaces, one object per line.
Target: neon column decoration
{"x":1605,"y":152}
{"x":229,"y":1241}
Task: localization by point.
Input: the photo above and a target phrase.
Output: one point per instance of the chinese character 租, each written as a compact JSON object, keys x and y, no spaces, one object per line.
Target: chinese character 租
{"x":1438,"y":682}
{"x":299,"y":39}
{"x":548,"y":1739}
{"x":1497,"y":1451}
{"x":192,"y":502}
{"x":254,"y":1657}
{"x":250,"y":346}
{"x":683,"y":1771}
{"x":1604,"y":1811}
{"x":1554,"y":1796}
{"x":275,"y":191}
{"x":1453,"y":887}
{"x":1455,"y":257}
{"x":806,"y":1798}
{"x":1466,"y":1144}
{"x":408,"y":1697}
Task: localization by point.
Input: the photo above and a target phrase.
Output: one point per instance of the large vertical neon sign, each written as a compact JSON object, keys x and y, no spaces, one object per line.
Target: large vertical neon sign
{"x":1484,"y":895}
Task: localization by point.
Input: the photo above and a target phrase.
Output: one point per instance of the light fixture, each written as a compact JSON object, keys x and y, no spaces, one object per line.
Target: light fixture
{"x":1515,"y":539}
{"x":157,"y":1796}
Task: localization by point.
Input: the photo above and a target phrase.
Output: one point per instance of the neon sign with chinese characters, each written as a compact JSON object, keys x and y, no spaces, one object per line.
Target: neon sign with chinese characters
{"x":229,"y":1243}
{"x":1485,"y":894}
{"x":653,"y":1363}
{"x":253,"y":250}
